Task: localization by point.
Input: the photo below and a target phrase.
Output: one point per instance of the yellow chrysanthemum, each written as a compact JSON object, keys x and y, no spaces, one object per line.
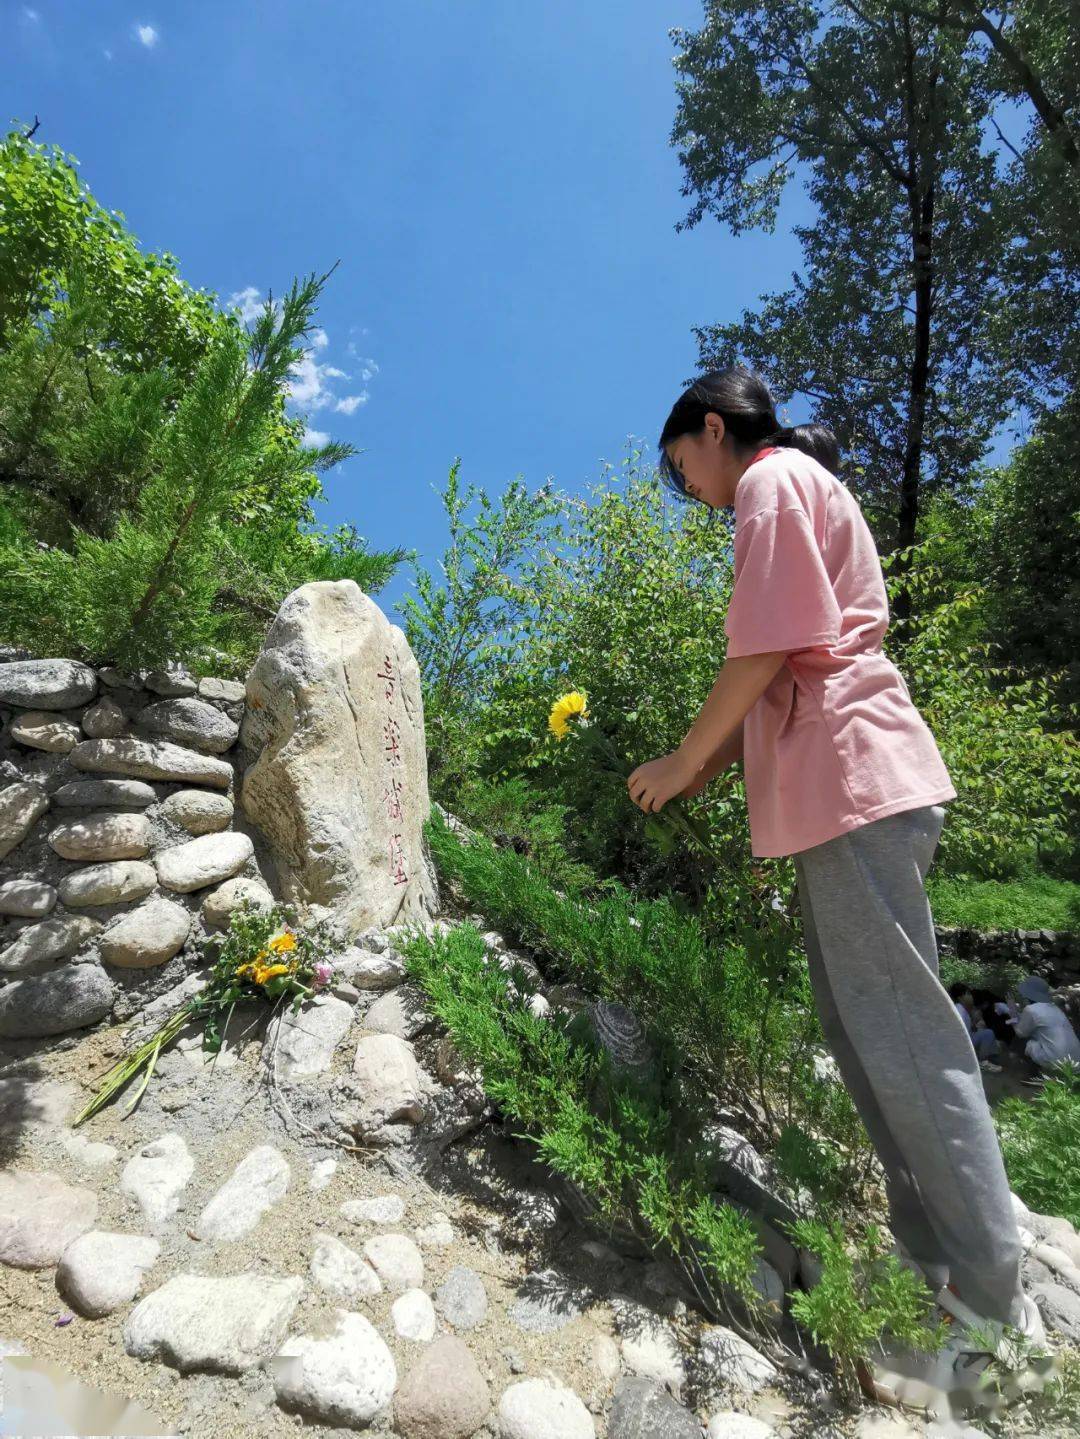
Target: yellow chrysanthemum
{"x":263,"y":972}
{"x":563,"y":710}
{"x":281,"y":943}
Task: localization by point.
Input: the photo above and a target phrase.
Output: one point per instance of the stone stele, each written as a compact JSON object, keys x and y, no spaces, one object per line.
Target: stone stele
{"x":336,"y":767}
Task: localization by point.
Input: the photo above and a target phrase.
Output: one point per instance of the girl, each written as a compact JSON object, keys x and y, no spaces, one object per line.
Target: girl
{"x":843,"y":774}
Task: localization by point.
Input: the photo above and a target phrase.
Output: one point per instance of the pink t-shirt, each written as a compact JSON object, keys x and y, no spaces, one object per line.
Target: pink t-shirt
{"x":835,"y":740}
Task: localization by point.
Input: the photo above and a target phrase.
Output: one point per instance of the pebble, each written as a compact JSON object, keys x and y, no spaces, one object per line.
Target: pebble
{"x":21,"y":804}
{"x":221,"y":1325}
{"x":50,"y":684}
{"x":396,"y":1260}
{"x":69,"y":998}
{"x":117,"y":882}
{"x":89,"y":1152}
{"x":220,"y":904}
{"x":322,"y":1172}
{"x":26,"y":898}
{"x":730,"y":1424}
{"x":258,"y":1182}
{"x":462,"y":1299}
{"x":642,"y":1410}
{"x":100,"y":1271}
{"x":546,"y":1301}
{"x":40,"y":1216}
{"x":146,"y":936}
{"x":604,"y":1357}
{"x":143,"y":759}
{"x":444,"y":1395}
{"x":439,"y":1234}
{"x":341,"y":1271}
{"x":190,"y":721}
{"x":102,"y":836}
{"x":48,"y":942}
{"x":541,"y":1409}
{"x":104,"y":719}
{"x":98,"y":793}
{"x":157,"y":1176}
{"x":39,"y":729}
{"x":207,"y":860}
{"x":301,"y":1045}
{"x":344,"y":1377}
{"x":199,"y":811}
{"x":383,"y":1209}
{"x":414,"y":1316}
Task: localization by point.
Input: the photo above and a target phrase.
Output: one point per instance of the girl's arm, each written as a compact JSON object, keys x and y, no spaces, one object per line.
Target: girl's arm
{"x":738,"y":687}
{"x":730,"y":751}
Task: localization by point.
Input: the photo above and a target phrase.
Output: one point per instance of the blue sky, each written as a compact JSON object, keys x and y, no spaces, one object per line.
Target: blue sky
{"x":495,"y":180}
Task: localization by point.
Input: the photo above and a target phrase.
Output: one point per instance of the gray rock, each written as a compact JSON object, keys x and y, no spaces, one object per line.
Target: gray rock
{"x":225,"y":691}
{"x":382,"y":1209}
{"x":118,"y":882}
{"x":40,"y":1215}
{"x":730,"y":1424}
{"x":191,"y":722}
{"x":346,"y":1376}
{"x":204,"y":861}
{"x":341,"y":1271}
{"x":649,"y":1346}
{"x":541,"y":1409}
{"x":444,"y":1395}
{"x":105,"y":720}
{"x":726,"y":1363}
{"x":414,"y":1316}
{"x":1059,"y":1307}
{"x":69,"y":998}
{"x":27,"y":1103}
{"x":146,"y":936}
{"x":48,"y":942}
{"x":87,"y":793}
{"x":402,"y":1012}
{"x":257,"y":1183}
{"x":391,"y":1086}
{"x":43,"y":729}
{"x":225,"y":1326}
{"x":199,"y":811}
{"x":116,"y":679}
{"x":546,"y":1301}
{"x":396,"y":1260}
{"x":26,"y":898}
{"x":368,"y":969}
{"x":21,"y":804}
{"x":642,"y":1410}
{"x":100,"y":1271}
{"x":87,"y":1153}
{"x":102,"y":836}
{"x":439,"y":1234}
{"x":52,"y":684}
{"x":220,"y":904}
{"x":173,"y":681}
{"x":462,"y":1299}
{"x":157,"y":1176}
{"x":147,"y":759}
{"x":300,"y":1045}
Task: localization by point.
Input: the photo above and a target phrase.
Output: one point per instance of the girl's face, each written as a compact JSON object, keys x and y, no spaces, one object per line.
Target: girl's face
{"x":708,"y":464}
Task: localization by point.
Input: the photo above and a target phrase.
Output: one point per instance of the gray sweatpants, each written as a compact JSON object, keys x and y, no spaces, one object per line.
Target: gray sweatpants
{"x":905,"y":1055}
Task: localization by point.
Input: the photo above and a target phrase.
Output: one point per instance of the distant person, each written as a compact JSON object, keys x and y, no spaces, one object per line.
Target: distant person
{"x":983,"y":1039}
{"x":1050,"y":1037}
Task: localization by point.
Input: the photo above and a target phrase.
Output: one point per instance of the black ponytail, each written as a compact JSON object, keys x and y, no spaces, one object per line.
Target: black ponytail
{"x":748,"y":410}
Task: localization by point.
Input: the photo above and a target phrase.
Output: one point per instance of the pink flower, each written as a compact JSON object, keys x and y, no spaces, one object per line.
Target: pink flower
{"x":323,"y":971}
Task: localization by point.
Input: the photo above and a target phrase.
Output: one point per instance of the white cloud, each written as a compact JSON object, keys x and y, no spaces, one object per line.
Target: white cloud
{"x":319,"y":340}
{"x":315,"y":439}
{"x":146,"y":35}
{"x":349,"y":404}
{"x":247,"y":301}
{"x":31,"y":15}
{"x":107,"y":54}
{"x":309,"y":387}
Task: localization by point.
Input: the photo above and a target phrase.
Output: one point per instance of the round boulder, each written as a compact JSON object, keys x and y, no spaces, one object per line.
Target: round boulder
{"x":115,"y":883}
{"x":46,"y":684}
{"x":102,"y":836}
{"x":69,"y":998}
{"x":40,"y":1216}
{"x":444,"y":1395}
{"x":42,"y":729}
{"x":220,"y":904}
{"x":190,"y":722}
{"x":199,"y":811}
{"x":200,"y":862}
{"x":48,"y":942}
{"x":105,"y":720}
{"x":146,"y":936}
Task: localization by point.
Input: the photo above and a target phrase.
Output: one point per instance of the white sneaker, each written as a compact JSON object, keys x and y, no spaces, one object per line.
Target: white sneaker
{"x":1030,"y":1327}
{"x":935,"y":1275}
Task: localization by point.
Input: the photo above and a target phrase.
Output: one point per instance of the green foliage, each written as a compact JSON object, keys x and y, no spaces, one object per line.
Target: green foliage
{"x":1015,"y":768}
{"x":1040,"y":1139}
{"x":864,"y":1294}
{"x":1036,"y":901}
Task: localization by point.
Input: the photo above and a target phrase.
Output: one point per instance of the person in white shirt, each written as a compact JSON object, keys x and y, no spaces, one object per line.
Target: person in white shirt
{"x":1050,"y":1037}
{"x":983,"y":1039}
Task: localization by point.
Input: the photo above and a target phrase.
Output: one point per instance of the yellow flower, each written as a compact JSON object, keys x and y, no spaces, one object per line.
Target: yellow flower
{"x":283,"y":942}
{"x":263,"y":972}
{"x":563,"y":710}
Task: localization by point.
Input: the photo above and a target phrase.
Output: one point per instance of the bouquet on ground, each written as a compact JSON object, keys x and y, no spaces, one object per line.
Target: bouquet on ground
{"x":265,"y":958}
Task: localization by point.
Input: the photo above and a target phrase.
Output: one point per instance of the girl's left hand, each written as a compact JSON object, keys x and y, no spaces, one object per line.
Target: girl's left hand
{"x":651,"y":785}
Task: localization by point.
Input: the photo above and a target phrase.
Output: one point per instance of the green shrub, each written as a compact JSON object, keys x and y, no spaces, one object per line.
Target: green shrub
{"x":1037,"y":901}
{"x":1040,"y":1142}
